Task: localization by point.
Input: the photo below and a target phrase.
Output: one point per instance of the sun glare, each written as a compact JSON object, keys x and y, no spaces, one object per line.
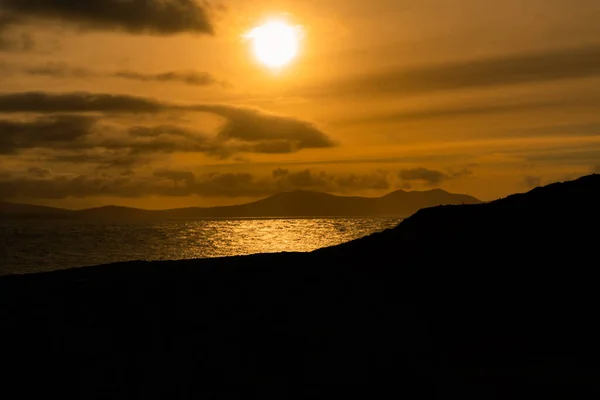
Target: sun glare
{"x":275,"y":43}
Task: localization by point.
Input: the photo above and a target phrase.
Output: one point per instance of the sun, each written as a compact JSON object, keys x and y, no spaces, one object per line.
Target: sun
{"x":275,"y":43}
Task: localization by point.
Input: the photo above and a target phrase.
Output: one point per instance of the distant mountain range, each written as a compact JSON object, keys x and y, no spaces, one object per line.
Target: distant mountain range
{"x":288,"y":204}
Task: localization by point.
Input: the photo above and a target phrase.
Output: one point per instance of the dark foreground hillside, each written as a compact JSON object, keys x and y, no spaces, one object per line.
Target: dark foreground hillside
{"x":487,"y":301}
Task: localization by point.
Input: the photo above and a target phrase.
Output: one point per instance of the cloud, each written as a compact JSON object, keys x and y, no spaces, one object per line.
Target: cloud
{"x":51,"y":132}
{"x":62,"y":70}
{"x":95,"y":130}
{"x":63,"y":186}
{"x":339,"y":183}
{"x":532,"y":181}
{"x":245,"y":129}
{"x":462,"y":110}
{"x":497,"y":71}
{"x":59,"y":70}
{"x":161,"y":17}
{"x":265,"y":132}
{"x":193,"y":78}
{"x":43,"y":102}
{"x":84,"y":136}
{"x":171,"y":182}
{"x":165,"y":183}
{"x":430,"y":177}
{"x":176,"y":176}
{"x":231,"y":185}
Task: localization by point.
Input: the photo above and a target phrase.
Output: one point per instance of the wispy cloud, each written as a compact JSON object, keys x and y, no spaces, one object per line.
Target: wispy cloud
{"x":513,"y":69}
{"x":59,"y":70}
{"x":471,"y":109}
{"x":194,"y":78}
{"x":62,"y":70}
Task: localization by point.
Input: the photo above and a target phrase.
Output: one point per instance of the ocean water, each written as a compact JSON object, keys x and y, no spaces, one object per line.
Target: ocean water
{"x":35,"y":245}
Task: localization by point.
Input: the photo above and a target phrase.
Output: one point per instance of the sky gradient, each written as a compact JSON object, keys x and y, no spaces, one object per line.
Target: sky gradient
{"x":160,"y":104}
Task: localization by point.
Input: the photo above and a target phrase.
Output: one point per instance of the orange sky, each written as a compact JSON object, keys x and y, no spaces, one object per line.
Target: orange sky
{"x":104,"y":103}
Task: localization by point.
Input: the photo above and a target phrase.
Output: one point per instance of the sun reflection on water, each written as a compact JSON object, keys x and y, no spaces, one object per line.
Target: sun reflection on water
{"x":49,"y":245}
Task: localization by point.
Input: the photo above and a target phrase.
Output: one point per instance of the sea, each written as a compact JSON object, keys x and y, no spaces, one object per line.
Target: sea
{"x":40,"y":245}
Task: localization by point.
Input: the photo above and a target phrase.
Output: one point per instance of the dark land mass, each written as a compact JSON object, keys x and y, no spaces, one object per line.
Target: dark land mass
{"x":287,"y":204}
{"x":487,"y":301}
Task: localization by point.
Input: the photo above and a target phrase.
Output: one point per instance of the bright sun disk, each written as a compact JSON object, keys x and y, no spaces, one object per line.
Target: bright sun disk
{"x":276,"y":43}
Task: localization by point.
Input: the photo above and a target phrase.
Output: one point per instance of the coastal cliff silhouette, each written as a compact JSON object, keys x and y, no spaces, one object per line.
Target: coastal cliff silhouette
{"x":486,"y":301}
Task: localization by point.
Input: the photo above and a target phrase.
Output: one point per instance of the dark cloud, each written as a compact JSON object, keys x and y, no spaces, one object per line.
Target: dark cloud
{"x":161,"y":17}
{"x":430,"y":177}
{"x":50,"y":132}
{"x":60,"y":187}
{"x":306,"y":179}
{"x":532,"y":181}
{"x":339,"y":183}
{"x":245,"y":130}
{"x":43,"y":102}
{"x":163,"y":183}
{"x":82,"y":139}
{"x":232,"y":185}
{"x":171,"y":182}
{"x":193,"y":78}
{"x":81,"y":133}
{"x":274,"y":133}
{"x":280,"y":172}
{"x":376,"y":181}
{"x":507,"y":70}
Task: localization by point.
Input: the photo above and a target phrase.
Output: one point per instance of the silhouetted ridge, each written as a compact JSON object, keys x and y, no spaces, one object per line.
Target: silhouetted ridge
{"x":298,"y":203}
{"x":7,"y":208}
{"x":485,"y":301}
{"x":542,"y":210}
